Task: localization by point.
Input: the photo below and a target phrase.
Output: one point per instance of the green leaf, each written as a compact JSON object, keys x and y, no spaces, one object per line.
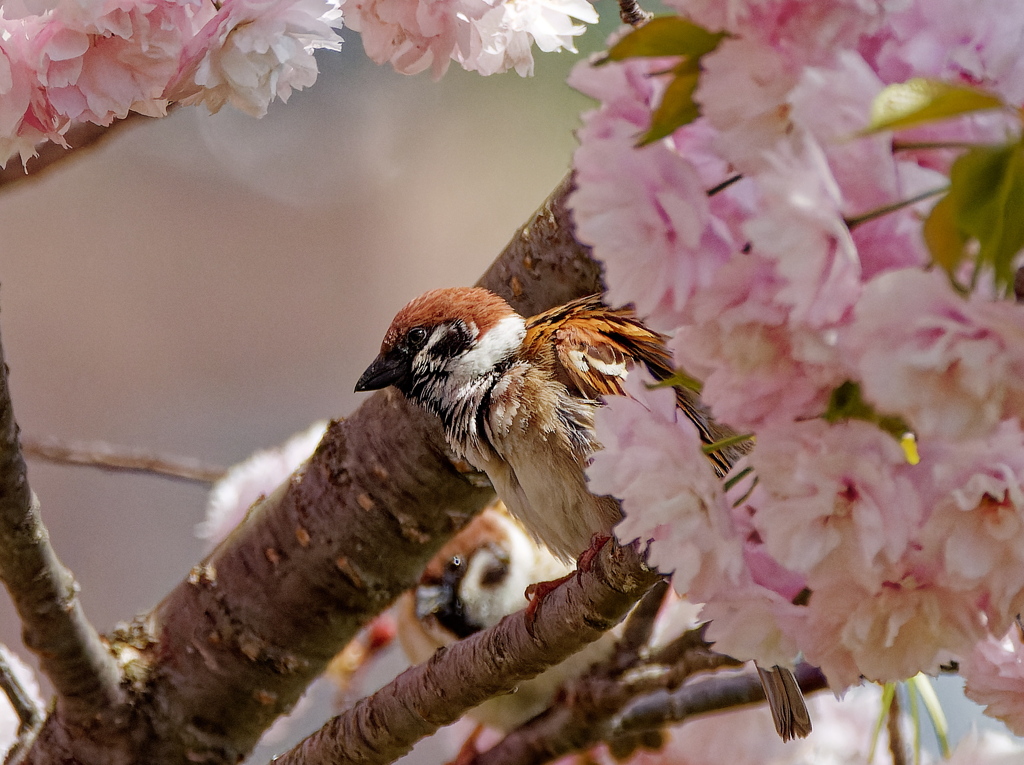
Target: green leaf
{"x":915,"y":722}
{"x":670,"y":36}
{"x":665,"y":36}
{"x":725,"y":443}
{"x":847,"y":403}
{"x":920,"y":100}
{"x":888,"y":694}
{"x":923,"y":685}
{"x":987,"y":197}
{"x":679,"y":380}
{"x":733,"y":480}
{"x":677,"y":107}
{"x":942,"y":235}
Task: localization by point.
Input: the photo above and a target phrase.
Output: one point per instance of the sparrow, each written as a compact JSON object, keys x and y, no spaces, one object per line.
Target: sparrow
{"x":474,"y":581}
{"x":517,"y":399}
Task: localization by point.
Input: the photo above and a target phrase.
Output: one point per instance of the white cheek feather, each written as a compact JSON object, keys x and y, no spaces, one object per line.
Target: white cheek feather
{"x":527,"y":563}
{"x":500,"y":342}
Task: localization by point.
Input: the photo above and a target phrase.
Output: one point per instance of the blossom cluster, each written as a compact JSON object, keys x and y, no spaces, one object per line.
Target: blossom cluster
{"x":485,"y":36}
{"x":778,"y":241}
{"x":63,"y":61}
{"x":95,"y":60}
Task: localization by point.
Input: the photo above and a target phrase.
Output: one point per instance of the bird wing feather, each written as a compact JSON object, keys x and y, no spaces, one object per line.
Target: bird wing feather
{"x":593,"y":347}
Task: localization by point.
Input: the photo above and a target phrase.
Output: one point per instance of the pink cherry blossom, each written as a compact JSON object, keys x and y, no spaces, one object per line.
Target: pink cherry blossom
{"x":953,"y":368}
{"x":800,"y":227}
{"x":809,"y":33}
{"x":26,"y":116}
{"x":826,"y":488}
{"x":742,"y":94}
{"x":975,"y":490}
{"x":994,"y":672}
{"x":652,"y":461}
{"x":487,"y":36}
{"x":867,"y":174}
{"x":253,"y":51}
{"x":412,"y":36}
{"x":976,"y":42}
{"x":503,"y":37}
{"x":752,"y":622}
{"x":20,"y":9}
{"x":904,"y":623}
{"x":97,"y":66}
{"x":755,"y":368}
{"x":645,"y":210}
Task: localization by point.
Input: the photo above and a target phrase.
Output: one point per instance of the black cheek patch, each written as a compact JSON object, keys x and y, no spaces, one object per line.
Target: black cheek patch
{"x":455,"y":339}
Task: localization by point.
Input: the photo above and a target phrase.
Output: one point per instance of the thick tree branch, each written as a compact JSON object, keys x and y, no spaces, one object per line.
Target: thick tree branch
{"x":234,"y":645}
{"x":45,"y":594}
{"x":384,"y":726}
{"x":97,"y":454}
{"x":543,"y":265}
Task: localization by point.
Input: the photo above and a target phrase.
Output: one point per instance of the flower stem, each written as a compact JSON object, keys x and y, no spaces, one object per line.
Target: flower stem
{"x":878,"y":212}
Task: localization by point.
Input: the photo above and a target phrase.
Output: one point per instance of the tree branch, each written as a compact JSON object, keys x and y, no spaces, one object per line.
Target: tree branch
{"x":587,"y":712}
{"x":897,"y":747}
{"x":384,"y":726}
{"x":104,"y":456}
{"x":29,"y":715}
{"x":670,"y":707}
{"x":45,"y":594}
{"x":234,"y":645}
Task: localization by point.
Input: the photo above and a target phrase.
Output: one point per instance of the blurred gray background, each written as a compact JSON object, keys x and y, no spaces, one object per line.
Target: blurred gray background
{"x":208,"y":285}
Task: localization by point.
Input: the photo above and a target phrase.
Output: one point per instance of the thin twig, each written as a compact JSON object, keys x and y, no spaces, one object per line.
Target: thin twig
{"x":724,"y":185}
{"x":892,"y":725}
{"x":637,"y":630}
{"x":110,"y":457}
{"x":81,"y":136}
{"x":878,"y":212}
{"x":712,"y":695}
{"x":29,"y":714}
{"x":83,"y":672}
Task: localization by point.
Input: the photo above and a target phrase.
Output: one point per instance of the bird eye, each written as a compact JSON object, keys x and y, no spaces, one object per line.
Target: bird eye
{"x":417,"y":336}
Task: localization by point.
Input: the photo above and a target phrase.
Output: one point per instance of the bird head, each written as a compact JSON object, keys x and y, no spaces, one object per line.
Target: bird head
{"x":477,"y":578}
{"x":445,"y":338}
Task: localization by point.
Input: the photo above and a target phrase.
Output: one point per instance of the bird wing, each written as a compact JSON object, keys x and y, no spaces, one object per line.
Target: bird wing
{"x":591,"y":349}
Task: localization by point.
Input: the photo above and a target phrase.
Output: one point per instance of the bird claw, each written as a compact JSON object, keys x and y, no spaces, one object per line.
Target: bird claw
{"x":586,"y":560}
{"x":470,"y":748}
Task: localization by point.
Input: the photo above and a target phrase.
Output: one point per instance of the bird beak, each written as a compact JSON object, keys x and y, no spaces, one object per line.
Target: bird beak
{"x":430,"y":599}
{"x":387,"y":369}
